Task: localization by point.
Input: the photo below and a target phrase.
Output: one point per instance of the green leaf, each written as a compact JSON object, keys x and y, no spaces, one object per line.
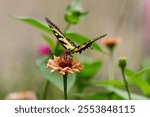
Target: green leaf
{"x":124,"y":94}
{"x":138,"y":80}
{"x":36,"y":23}
{"x":90,"y":69}
{"x":110,"y":82}
{"x":103,"y":96}
{"x":85,"y":75}
{"x":55,"y":78}
{"x":142,"y":72}
{"x":129,"y":72}
{"x":50,"y":42}
{"x":74,"y":12}
{"x":97,"y":96}
{"x":79,"y":39}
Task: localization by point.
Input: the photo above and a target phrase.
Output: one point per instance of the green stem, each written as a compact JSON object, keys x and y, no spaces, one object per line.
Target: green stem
{"x":111,"y":67}
{"x":45,"y":90}
{"x":126,"y":84}
{"x":65,"y":86}
{"x":67,"y":27}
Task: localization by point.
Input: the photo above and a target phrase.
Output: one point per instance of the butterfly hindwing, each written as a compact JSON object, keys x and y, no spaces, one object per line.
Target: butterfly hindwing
{"x":65,"y":42}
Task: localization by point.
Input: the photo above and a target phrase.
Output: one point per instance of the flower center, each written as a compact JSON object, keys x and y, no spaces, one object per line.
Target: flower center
{"x":65,"y":63}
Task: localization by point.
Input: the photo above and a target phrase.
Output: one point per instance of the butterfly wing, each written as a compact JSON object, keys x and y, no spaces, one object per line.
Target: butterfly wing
{"x":84,"y":46}
{"x":65,"y":42}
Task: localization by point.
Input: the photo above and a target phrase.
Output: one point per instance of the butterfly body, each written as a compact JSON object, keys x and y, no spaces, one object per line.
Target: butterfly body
{"x":70,"y":46}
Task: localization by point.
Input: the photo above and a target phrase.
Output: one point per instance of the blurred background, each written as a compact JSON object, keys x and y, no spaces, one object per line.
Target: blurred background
{"x":19,"y":42}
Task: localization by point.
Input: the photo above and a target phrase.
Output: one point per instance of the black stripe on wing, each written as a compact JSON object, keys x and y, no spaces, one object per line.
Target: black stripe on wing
{"x":59,"y":35}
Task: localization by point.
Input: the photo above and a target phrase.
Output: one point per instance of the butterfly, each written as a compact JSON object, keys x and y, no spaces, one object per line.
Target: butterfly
{"x":70,"y":46}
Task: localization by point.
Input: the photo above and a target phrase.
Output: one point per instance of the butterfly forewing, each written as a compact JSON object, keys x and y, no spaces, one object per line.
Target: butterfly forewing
{"x":65,"y":42}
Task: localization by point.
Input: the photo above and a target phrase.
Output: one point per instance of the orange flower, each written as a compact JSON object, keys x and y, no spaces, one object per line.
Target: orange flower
{"x":64,"y":65}
{"x":111,"y":42}
{"x":23,"y":95}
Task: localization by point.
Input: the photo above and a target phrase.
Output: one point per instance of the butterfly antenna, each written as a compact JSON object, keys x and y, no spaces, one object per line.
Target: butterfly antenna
{"x":99,"y":37}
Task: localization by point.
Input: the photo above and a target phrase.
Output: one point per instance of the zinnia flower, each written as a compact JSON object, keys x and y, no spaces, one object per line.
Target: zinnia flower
{"x":23,"y":95}
{"x":64,"y":65}
{"x":110,"y":43}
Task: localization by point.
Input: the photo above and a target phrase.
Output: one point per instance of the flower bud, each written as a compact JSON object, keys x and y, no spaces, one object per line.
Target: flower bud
{"x":122,"y":62}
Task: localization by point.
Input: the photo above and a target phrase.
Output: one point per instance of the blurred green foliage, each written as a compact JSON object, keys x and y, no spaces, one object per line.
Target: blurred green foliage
{"x":74,"y":12}
{"x":84,"y":86}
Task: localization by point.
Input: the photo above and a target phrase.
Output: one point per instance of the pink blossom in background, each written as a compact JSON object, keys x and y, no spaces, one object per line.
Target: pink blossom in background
{"x":44,"y":50}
